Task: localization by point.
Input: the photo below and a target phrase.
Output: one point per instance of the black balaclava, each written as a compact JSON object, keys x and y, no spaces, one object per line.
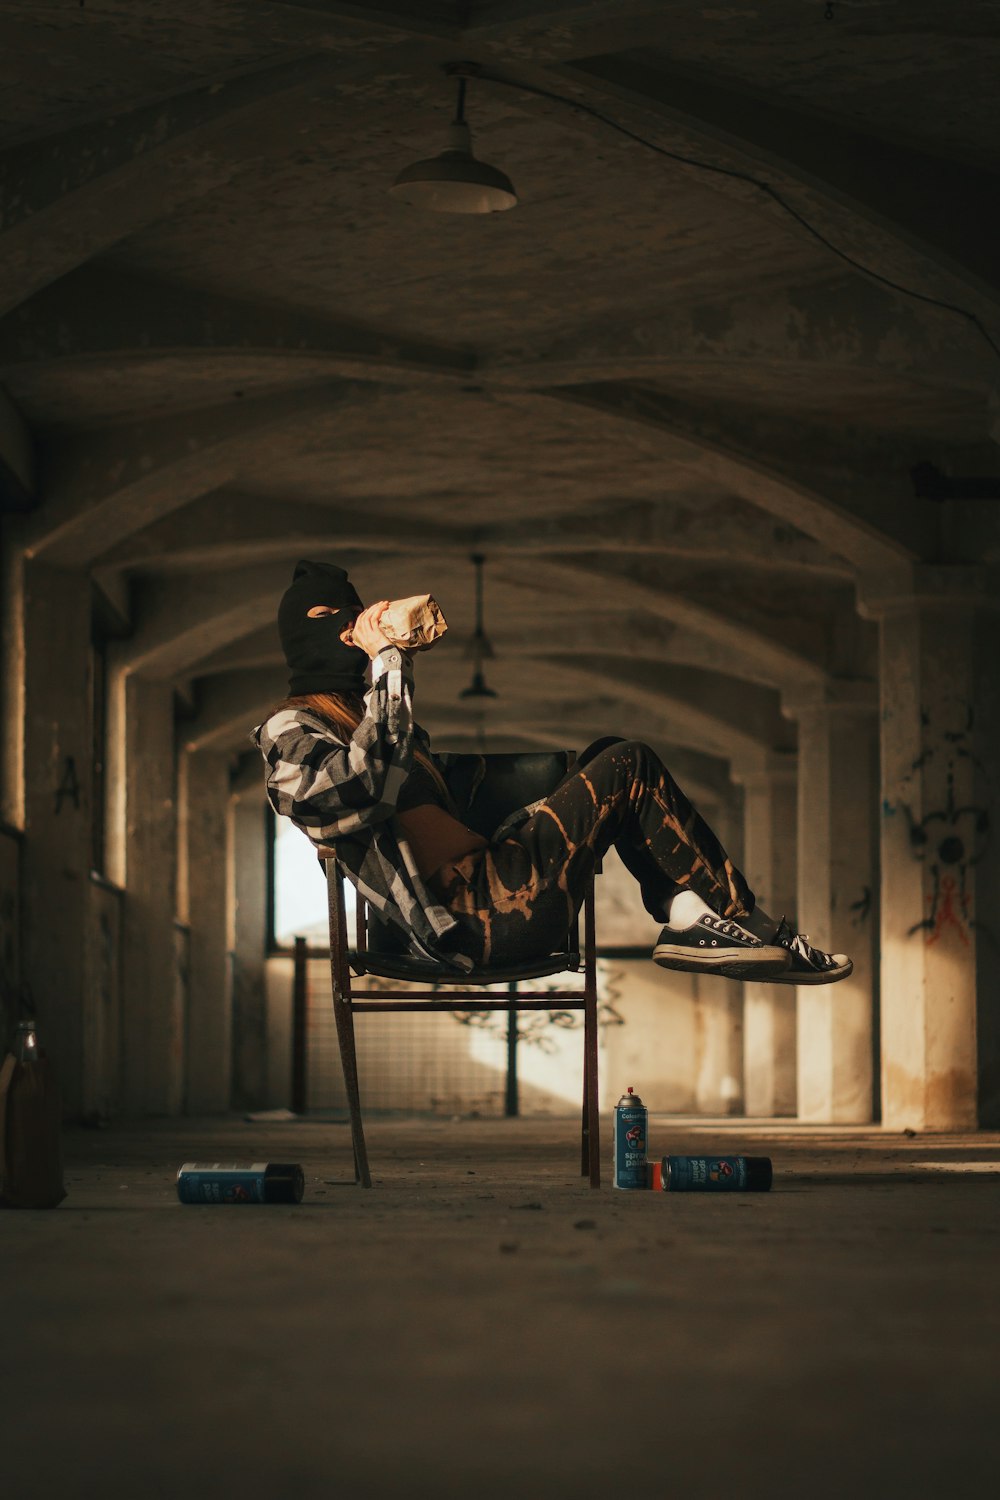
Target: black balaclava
{"x":319,"y":661}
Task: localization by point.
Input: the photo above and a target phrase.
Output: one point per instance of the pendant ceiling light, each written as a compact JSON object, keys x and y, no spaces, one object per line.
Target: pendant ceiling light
{"x":481,"y":648}
{"x":455,"y":182}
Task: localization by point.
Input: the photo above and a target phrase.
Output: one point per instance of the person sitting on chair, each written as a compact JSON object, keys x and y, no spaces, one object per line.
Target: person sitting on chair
{"x":355,"y":772}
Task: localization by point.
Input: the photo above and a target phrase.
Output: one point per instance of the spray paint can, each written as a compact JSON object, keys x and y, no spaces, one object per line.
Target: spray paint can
{"x":631,"y":1132}
{"x":240,"y":1182}
{"x":711,"y":1174}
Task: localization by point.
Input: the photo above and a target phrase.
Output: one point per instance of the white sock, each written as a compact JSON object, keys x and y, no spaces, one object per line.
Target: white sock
{"x":684,"y":910}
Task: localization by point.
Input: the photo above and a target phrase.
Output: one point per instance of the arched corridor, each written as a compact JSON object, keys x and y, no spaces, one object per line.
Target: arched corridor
{"x":716,"y":403}
{"x":721,"y":421}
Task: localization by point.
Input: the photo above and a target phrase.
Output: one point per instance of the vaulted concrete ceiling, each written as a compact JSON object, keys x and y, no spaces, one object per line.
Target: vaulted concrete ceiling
{"x":677,"y":422}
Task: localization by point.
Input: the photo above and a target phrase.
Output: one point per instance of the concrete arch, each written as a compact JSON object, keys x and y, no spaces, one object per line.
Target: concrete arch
{"x":231,"y":704}
{"x":867,"y":191}
{"x":227,"y":525}
{"x":74,"y":194}
{"x":776,"y":654}
{"x":229,"y":700}
{"x":840,"y":325}
{"x":664,"y":650}
{"x":727,"y":532}
{"x":780,"y":633}
{"x":101,"y":488}
{"x":105,"y":487}
{"x":736,"y":706}
{"x":232,"y":701}
{"x":98,"y":312}
{"x":67,"y":196}
{"x":227,"y":528}
{"x":180,"y":621}
{"x":856,"y":519}
{"x":551,"y":686}
{"x":690,"y":725}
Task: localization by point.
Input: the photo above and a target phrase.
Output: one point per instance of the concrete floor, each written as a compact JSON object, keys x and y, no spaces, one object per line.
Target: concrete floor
{"x":482,"y":1324}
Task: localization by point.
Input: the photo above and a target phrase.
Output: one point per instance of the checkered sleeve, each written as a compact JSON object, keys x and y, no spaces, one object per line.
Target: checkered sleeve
{"x":332,"y":787}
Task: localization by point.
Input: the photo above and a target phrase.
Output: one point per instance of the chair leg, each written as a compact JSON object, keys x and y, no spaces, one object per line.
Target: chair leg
{"x":591,"y":1154}
{"x":584,"y":1132}
{"x":343,"y":1015}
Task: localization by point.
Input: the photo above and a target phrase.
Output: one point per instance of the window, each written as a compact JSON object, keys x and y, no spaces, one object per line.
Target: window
{"x":299,"y":890}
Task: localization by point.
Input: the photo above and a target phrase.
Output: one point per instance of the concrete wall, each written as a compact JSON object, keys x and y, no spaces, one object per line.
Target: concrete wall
{"x":706,"y":467}
{"x":986,"y":839}
{"x":246,"y":944}
{"x":153,"y":988}
{"x":771,"y":849}
{"x":153,"y":1018}
{"x":104,"y":1011}
{"x":57,"y":811}
{"x":659,"y":1032}
{"x":204,"y":817}
{"x":10,"y":931}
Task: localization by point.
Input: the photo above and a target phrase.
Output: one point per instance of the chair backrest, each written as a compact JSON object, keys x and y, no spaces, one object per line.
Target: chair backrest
{"x":486,"y":789}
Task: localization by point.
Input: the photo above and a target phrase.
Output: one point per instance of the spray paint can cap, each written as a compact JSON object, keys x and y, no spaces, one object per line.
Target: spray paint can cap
{"x":284,"y":1182}
{"x":759,"y":1174}
{"x":629,"y":1099}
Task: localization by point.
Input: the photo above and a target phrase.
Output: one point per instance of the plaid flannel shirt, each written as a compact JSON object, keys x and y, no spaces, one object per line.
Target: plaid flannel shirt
{"x":343,"y":793}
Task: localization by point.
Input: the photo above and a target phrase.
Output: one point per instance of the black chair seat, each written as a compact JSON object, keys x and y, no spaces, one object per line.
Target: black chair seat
{"x":423,"y":971}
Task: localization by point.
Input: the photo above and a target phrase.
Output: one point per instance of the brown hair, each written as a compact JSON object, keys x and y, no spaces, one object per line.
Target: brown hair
{"x":346,"y":710}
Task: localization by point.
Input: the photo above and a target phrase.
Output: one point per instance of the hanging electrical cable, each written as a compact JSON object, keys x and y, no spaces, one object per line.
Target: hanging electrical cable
{"x":475,"y":70}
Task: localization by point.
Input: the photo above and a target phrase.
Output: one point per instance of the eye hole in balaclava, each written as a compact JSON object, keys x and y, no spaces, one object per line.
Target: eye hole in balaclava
{"x":319,"y":661}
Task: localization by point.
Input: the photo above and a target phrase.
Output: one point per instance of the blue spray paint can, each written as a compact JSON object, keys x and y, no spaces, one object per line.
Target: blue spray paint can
{"x":712,"y":1174}
{"x":631,"y":1133}
{"x":240,"y":1182}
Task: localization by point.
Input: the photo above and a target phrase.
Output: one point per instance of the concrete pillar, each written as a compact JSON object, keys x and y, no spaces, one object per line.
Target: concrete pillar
{"x":53,"y":655}
{"x":727,"y":819}
{"x":719,"y":1085}
{"x":248,"y":922}
{"x":18,"y":487}
{"x":203,"y":806}
{"x":718,"y":1013}
{"x":838,"y":896}
{"x":718,"y":1005}
{"x":11,"y":677}
{"x":153,"y":1019}
{"x":718,"y":1020}
{"x":987,"y":869}
{"x":939,"y":773}
{"x":770,"y":818}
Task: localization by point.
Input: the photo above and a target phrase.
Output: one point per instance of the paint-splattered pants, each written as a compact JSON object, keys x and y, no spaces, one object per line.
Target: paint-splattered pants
{"x":515,"y":899}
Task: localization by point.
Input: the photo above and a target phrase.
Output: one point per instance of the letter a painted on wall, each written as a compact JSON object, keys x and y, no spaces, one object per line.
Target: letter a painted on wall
{"x":69,"y":786}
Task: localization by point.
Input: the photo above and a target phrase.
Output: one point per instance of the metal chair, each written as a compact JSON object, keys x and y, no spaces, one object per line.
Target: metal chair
{"x":487,"y":788}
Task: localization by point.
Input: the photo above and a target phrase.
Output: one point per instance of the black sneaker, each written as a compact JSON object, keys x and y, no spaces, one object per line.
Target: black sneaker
{"x":719,"y":945}
{"x":808,"y":965}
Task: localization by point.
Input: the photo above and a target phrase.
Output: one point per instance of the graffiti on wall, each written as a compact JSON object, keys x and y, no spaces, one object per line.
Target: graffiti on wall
{"x":535,"y":1028}
{"x":69,"y":785}
{"x":951,"y":839}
